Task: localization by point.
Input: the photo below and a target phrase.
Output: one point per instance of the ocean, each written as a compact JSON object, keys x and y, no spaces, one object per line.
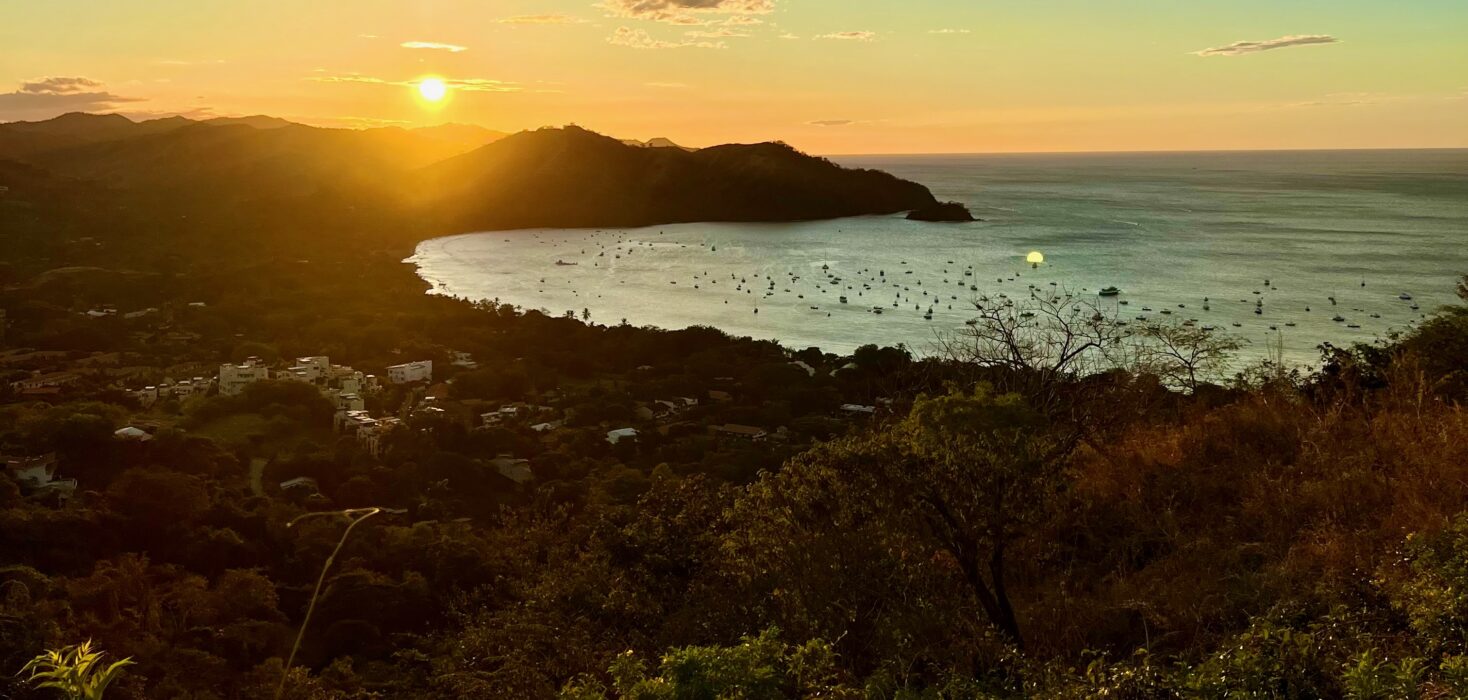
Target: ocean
{"x":1303,"y":237}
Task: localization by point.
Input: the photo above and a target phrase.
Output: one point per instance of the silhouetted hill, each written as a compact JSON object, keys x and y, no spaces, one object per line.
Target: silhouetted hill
{"x":445,"y":177}
{"x":462,"y":134}
{"x":244,"y":161}
{"x":258,"y":121}
{"x":20,"y":140}
{"x":658,"y":142}
{"x":574,"y":177}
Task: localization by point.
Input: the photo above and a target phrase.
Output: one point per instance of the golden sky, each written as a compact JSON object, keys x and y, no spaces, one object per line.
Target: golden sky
{"x":828,"y":76}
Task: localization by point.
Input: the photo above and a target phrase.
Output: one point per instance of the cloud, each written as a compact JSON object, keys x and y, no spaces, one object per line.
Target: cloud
{"x":831,"y":122}
{"x":366,"y":36}
{"x":1239,"y":48}
{"x":43,"y":98}
{"x":454,"y":84}
{"x":948,"y":31}
{"x":556,"y":18}
{"x":58,"y":86}
{"x":848,"y":36}
{"x":667,"y":86}
{"x":639,"y":39}
{"x":719,"y":33}
{"x":684,"y":11}
{"x":788,"y":35}
{"x":433,"y":46}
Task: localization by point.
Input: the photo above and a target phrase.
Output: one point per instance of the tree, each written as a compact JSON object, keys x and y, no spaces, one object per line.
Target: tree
{"x":945,"y":494}
{"x":1182,"y":355}
{"x":1039,"y":346}
{"x":77,"y":671}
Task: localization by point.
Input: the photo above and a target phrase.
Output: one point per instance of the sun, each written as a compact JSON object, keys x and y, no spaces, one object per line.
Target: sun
{"x":432,"y":89}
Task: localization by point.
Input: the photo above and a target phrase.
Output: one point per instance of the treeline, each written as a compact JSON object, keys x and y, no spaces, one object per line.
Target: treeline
{"x":998,"y":536}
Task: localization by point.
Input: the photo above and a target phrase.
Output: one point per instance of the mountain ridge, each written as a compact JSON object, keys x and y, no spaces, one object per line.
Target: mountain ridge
{"x":453,"y":178}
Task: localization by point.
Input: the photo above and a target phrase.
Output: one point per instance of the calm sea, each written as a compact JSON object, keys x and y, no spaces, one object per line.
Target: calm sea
{"x":1281,"y":232}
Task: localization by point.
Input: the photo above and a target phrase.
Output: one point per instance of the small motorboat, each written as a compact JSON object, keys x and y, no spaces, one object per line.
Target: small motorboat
{"x":1338,"y":318}
{"x":1109,"y":292}
{"x":1404,"y":296}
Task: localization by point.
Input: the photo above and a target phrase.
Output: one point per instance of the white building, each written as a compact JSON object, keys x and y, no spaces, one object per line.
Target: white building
{"x":234,"y":378}
{"x":465,"y":360}
{"x":420,"y":371}
{"x":146,"y":396}
{"x":369,"y":431}
{"x":620,"y":434}
{"x":37,"y":476}
{"x":350,"y":402}
{"x":184,"y":388}
{"x":312,"y":369}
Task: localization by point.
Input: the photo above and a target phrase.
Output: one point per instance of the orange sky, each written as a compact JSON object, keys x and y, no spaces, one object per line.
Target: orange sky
{"x":829,"y":76}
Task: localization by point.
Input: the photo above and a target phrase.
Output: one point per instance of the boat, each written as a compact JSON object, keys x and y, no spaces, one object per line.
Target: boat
{"x":1338,"y":318}
{"x":876,"y":309}
{"x":1404,"y":296}
{"x":1109,"y":292}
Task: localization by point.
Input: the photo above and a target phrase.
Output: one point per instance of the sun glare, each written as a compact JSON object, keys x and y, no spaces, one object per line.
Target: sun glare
{"x":432,"y":89}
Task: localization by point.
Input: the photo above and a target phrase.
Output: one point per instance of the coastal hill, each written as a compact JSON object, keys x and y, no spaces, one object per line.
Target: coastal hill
{"x":449,"y":178}
{"x":574,"y":177}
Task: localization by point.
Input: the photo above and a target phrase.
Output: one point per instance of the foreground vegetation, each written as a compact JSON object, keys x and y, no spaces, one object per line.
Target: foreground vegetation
{"x":1012,"y":523}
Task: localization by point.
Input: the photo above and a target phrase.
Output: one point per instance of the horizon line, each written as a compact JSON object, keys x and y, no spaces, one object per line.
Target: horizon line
{"x":887,"y":154}
{"x":1155,"y":151}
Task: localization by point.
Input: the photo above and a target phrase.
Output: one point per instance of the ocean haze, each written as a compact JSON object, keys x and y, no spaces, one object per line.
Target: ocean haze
{"x":1167,"y":228}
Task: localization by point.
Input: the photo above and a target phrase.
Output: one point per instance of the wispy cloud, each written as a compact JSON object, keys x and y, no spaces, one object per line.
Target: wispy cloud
{"x":1239,"y":48}
{"x":459,"y":84}
{"x":433,"y":46}
{"x":639,"y":39}
{"x":948,"y":31}
{"x":556,"y":18}
{"x":848,"y":36}
{"x":788,"y":35}
{"x":720,"y":33}
{"x":667,"y":86}
{"x":684,"y":11}
{"x":49,"y":96}
{"x":831,"y":122}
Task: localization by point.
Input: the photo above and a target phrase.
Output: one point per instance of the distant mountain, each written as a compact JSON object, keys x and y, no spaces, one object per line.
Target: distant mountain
{"x":658,"y":142}
{"x":574,"y":177}
{"x":448,"y":177}
{"x":258,"y":121}
{"x":462,"y":134}
{"x":244,"y":158}
{"x":19,"y":140}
